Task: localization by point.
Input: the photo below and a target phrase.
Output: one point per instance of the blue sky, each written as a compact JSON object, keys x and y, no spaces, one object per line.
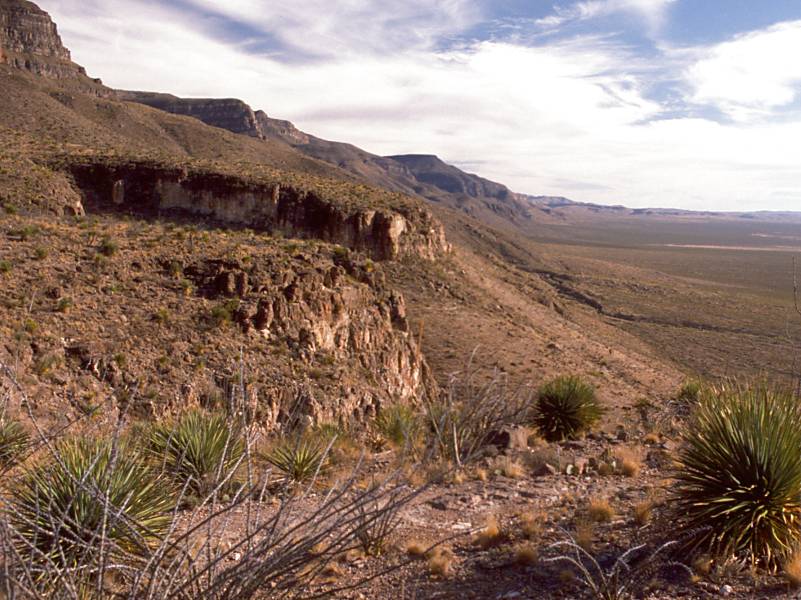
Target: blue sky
{"x":681,"y":103}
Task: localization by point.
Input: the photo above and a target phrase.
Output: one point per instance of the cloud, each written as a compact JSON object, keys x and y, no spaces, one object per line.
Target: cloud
{"x":575,"y":117}
{"x":327,"y":28}
{"x":651,"y":11}
{"x":752,"y":75}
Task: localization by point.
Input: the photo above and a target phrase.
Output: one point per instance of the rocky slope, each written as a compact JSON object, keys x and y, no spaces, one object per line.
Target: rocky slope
{"x":425,"y":176}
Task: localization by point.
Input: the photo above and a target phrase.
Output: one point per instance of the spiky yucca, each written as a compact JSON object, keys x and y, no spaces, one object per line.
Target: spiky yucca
{"x":199,"y":450}
{"x":739,"y":473}
{"x":566,"y":407}
{"x":64,"y":510}
{"x":298,"y":459}
{"x":13,"y":440}
{"x":399,"y":424}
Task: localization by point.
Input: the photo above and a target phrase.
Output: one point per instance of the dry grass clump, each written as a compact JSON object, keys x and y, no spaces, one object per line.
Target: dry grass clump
{"x":491,"y":535}
{"x":585,"y":534}
{"x":415,"y":549}
{"x":599,"y":510}
{"x":526,"y":555}
{"x":508,"y":467}
{"x":440,"y":562}
{"x":628,"y":461}
{"x":481,"y":474}
{"x":643,"y":511}
{"x":531,"y":524}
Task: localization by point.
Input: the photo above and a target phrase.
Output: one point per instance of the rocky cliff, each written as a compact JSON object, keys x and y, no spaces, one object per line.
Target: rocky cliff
{"x":384,"y":233}
{"x":227,"y":113}
{"x":29,"y":40}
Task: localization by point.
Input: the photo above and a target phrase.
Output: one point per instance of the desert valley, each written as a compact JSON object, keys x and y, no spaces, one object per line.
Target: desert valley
{"x":241,"y":361}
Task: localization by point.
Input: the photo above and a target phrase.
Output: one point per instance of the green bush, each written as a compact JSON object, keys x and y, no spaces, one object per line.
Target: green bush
{"x":13,"y":440}
{"x":565,"y":408}
{"x":398,"y":424}
{"x":199,"y":450}
{"x":58,"y":507}
{"x":299,"y":459}
{"x":739,"y":473}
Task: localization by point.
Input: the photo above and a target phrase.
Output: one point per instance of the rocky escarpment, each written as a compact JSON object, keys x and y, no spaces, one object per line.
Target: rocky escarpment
{"x":154,"y":189}
{"x":339,"y":313}
{"x":164,"y":317}
{"x":29,"y":40}
{"x":227,"y":113}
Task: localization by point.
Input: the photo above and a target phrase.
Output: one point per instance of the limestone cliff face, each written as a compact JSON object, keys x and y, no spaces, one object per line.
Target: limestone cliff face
{"x":384,"y":234}
{"x":29,"y":40}
{"x":227,"y":113}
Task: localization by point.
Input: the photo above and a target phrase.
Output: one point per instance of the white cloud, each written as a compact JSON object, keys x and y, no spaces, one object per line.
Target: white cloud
{"x":560,"y":119}
{"x":353,"y":27}
{"x":651,"y":11}
{"x":752,"y":75}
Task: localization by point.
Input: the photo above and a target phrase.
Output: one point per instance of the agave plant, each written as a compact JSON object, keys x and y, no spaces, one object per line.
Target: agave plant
{"x":739,"y":473}
{"x":199,"y":451}
{"x":89,"y":496}
{"x":566,"y":407}
{"x":299,"y":459}
{"x":398,"y":424}
{"x":13,"y":440}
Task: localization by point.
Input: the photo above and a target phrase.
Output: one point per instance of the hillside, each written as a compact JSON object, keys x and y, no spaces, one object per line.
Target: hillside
{"x":372,"y":335}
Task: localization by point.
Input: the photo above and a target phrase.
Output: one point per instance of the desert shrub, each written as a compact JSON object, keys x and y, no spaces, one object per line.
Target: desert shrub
{"x":299,"y":459}
{"x":40,"y":253}
{"x":61,"y":507}
{"x":565,"y":408}
{"x":739,"y":473}
{"x":5,"y":266}
{"x":470,"y":411}
{"x":398,"y":424}
{"x":375,"y":523}
{"x":200,"y":450}
{"x":13,"y":440}
{"x":223,"y":313}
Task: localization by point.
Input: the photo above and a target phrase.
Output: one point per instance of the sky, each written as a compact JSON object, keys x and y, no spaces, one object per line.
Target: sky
{"x":690,"y":104}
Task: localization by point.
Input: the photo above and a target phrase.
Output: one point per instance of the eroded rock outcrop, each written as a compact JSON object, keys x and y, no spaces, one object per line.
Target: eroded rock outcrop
{"x":225,"y":113}
{"x":383,"y":233}
{"x":339,"y":313}
{"x":29,"y":40}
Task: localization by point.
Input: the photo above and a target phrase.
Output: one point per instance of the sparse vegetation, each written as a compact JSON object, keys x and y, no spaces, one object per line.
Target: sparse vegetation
{"x":299,"y":459}
{"x":399,"y":424}
{"x":200,"y":450}
{"x":60,"y":506}
{"x":740,"y":473}
{"x":565,"y":408}
{"x":600,"y":510}
{"x":13,"y":440}
{"x":108,"y":247}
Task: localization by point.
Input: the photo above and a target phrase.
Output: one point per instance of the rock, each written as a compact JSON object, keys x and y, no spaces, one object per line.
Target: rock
{"x":546,"y":469}
{"x":29,"y":41}
{"x":438,"y":504}
{"x":581,"y":465}
{"x":726,"y":590}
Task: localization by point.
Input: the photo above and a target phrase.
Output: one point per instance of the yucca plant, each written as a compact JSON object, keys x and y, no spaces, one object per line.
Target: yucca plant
{"x":13,"y":440}
{"x":739,"y":473}
{"x":199,"y":451}
{"x":566,"y":407}
{"x":299,"y":459}
{"x":398,"y":424}
{"x":89,"y":496}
